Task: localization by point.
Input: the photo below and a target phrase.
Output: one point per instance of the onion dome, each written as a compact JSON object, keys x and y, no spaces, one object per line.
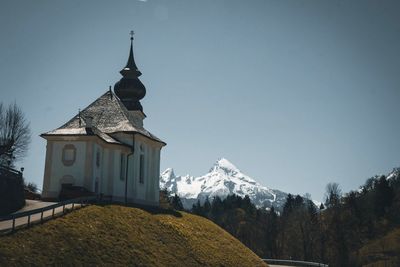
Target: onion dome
{"x":130,"y":89}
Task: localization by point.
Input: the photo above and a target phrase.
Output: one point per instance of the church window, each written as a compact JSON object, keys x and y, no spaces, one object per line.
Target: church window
{"x":122,"y":167}
{"x":141,"y":165}
{"x":98,"y":158}
{"x":68,"y":155}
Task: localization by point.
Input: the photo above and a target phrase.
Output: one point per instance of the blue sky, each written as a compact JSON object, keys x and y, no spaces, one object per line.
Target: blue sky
{"x":295,"y":93}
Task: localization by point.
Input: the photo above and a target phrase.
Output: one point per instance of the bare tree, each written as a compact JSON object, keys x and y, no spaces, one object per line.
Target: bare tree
{"x":15,"y":134}
{"x":333,"y":195}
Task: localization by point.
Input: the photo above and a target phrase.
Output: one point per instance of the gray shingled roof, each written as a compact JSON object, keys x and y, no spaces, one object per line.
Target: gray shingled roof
{"x":109,"y":116}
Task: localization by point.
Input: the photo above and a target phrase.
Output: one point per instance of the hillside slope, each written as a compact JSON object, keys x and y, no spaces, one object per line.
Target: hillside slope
{"x":384,"y":251}
{"x":115,"y":235}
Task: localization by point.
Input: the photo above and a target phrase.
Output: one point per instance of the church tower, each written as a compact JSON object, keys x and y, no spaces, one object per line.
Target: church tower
{"x":130,"y":89}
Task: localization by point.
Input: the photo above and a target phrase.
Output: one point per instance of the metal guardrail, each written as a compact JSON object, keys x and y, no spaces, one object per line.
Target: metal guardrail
{"x":294,"y":263}
{"x":83,"y":201}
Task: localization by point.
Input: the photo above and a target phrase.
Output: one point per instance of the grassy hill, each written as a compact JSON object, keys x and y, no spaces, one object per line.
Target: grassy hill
{"x":115,"y":235}
{"x":383,"y":252}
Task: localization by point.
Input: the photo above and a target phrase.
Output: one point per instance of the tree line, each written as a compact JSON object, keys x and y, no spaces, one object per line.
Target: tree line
{"x":332,"y":233}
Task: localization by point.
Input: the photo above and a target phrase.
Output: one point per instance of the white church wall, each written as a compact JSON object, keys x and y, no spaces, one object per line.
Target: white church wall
{"x":118,"y":185}
{"x":154,"y":187}
{"x":59,"y":169}
{"x":139,"y":187}
{"x":110,"y":168}
{"x":148,"y":191}
{"x":104,"y":169}
{"x":96,"y":166}
{"x":135,"y":173}
{"x":131,"y":177}
{"x":150,"y":178}
{"x":157,"y":174}
{"x":124,"y":138}
{"x":46,"y":193}
{"x":95,"y":160}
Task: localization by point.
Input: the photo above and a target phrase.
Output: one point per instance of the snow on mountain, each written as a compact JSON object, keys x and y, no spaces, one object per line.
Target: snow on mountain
{"x":393,"y":174}
{"x":222,"y":180}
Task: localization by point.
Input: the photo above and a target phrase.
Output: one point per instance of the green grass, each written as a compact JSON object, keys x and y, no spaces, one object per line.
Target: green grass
{"x":383,"y":252}
{"x":116,"y":235}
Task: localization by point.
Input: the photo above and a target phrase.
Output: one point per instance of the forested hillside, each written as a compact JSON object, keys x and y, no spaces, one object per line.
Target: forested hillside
{"x":352,"y":229}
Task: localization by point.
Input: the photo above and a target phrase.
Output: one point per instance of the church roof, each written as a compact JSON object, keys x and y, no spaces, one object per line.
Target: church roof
{"x":109,"y":115}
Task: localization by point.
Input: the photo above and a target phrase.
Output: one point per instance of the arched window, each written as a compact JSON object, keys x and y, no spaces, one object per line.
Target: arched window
{"x":122,"y":167}
{"x":141,"y":165}
{"x":98,"y":158}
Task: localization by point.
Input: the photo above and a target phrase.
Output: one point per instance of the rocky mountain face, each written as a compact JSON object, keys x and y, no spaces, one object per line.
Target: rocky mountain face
{"x":222,"y":180}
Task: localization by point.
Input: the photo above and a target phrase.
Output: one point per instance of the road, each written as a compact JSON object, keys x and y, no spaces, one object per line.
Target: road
{"x":34,"y":204}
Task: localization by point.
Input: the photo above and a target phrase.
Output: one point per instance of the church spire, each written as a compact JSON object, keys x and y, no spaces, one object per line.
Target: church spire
{"x":129,"y":88}
{"x":131,"y":67}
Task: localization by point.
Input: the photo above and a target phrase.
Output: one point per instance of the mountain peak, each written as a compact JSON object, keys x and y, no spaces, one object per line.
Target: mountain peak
{"x":168,"y":173}
{"x":222,"y":180}
{"x":223,"y":163}
{"x":394,"y":173}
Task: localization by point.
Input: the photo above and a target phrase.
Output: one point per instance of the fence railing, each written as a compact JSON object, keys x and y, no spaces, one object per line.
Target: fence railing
{"x":294,"y":263}
{"x":74,"y":203}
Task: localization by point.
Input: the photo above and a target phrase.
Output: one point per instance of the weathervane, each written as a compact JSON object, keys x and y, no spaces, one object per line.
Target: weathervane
{"x":132,"y":33}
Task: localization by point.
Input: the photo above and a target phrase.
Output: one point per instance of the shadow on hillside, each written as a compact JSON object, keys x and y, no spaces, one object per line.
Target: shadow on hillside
{"x":150,"y":209}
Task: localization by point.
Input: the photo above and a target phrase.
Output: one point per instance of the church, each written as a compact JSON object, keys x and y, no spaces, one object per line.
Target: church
{"x":105,"y":148}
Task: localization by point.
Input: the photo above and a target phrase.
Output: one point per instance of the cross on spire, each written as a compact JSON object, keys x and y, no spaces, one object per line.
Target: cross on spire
{"x":130,"y":89}
{"x":130,"y":68}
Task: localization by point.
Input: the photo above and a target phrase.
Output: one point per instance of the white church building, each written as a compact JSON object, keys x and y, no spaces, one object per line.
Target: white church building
{"x":105,"y":148}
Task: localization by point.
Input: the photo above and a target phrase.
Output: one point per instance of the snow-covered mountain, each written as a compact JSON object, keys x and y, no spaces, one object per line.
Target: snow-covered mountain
{"x":222,"y":180}
{"x":393,"y":174}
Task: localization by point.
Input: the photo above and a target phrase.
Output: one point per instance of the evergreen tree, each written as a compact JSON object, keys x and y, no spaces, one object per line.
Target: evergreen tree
{"x":176,"y":202}
{"x":271,"y":234}
{"x":206,"y":207}
{"x":217,"y":207}
{"x":383,"y":196}
{"x":197,"y":209}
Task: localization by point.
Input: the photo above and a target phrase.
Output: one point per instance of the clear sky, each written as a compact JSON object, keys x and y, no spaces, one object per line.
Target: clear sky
{"x":295,"y":93}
